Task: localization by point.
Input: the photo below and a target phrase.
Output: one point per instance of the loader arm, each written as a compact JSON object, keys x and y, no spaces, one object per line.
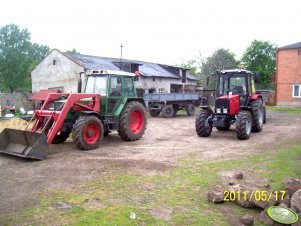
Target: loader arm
{"x":44,"y":116}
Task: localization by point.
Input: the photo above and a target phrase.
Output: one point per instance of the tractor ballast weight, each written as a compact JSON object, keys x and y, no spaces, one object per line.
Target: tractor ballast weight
{"x":237,"y":103}
{"x":109,"y":103}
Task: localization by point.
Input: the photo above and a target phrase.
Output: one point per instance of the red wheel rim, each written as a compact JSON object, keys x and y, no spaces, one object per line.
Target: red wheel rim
{"x":136,"y":122}
{"x":91,"y":133}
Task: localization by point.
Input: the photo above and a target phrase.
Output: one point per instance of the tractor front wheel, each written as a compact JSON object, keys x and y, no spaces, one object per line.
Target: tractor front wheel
{"x":132,"y":121}
{"x":202,"y":126}
{"x":60,"y":138}
{"x":243,"y":125}
{"x":258,"y":115}
{"x":87,"y":132}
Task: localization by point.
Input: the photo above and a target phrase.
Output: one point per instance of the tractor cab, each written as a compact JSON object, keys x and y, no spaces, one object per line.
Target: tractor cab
{"x":236,"y":82}
{"x":115,"y":88}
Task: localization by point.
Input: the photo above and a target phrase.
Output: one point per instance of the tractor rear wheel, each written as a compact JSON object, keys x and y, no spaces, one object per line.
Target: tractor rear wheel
{"x":168,"y":111}
{"x":87,"y":132}
{"x":60,"y":138}
{"x":132,"y":121}
{"x":243,"y":125}
{"x":154,"y":113}
{"x":258,"y":115}
{"x":223,"y":128}
{"x":202,"y":126}
{"x":190,"y":109}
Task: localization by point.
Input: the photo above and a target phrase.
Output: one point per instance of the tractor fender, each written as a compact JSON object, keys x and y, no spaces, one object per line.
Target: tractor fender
{"x":246,"y":108}
{"x":255,"y":96}
{"x":207,"y":108}
{"x":136,"y":99}
{"x":92,"y":113}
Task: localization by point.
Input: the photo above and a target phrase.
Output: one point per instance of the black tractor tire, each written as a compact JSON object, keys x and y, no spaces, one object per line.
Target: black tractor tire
{"x":60,"y":138}
{"x":190,"y":109}
{"x":243,"y":125}
{"x":223,"y":128}
{"x":87,"y":132}
{"x":258,"y":115}
{"x":132,"y":121}
{"x":154,"y":113}
{"x":203,"y":128}
{"x":168,"y":111}
{"x":264,"y":115}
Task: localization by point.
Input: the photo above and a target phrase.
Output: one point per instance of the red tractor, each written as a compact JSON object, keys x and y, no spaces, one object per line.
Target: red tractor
{"x":237,"y":103}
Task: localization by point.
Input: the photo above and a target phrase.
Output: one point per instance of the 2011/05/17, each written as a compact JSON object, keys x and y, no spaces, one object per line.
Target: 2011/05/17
{"x":254,"y":195}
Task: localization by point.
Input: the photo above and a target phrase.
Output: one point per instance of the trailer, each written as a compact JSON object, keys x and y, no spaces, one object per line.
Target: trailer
{"x":170,"y":103}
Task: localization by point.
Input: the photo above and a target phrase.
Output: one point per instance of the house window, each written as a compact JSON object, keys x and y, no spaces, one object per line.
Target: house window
{"x":54,"y":62}
{"x":297,"y":90}
{"x":161,"y":90}
{"x":154,"y":79}
{"x":299,"y":52}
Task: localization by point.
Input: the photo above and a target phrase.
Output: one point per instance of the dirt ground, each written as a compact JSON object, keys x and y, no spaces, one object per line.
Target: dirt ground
{"x":165,"y":141}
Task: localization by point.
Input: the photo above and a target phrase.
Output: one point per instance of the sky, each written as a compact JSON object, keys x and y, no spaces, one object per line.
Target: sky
{"x":169,"y":32}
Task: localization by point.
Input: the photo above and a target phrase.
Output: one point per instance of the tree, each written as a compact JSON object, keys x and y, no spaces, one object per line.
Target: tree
{"x":221,"y":59}
{"x":260,"y":57}
{"x":18,"y":56}
{"x":72,"y":51}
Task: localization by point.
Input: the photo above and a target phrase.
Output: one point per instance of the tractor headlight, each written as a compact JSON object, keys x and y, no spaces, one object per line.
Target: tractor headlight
{"x":225,"y":111}
{"x":218,"y":110}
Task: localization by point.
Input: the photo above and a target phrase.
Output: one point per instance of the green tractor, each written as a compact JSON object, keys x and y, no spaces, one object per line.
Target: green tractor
{"x":109,"y":103}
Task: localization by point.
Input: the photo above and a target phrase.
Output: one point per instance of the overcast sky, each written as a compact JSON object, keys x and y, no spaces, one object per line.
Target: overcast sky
{"x":158,"y":31}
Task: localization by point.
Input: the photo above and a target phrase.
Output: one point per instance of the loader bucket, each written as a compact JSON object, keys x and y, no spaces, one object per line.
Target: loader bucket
{"x":24,"y":144}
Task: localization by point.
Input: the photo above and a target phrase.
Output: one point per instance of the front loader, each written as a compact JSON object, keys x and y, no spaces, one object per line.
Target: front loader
{"x":237,"y":103}
{"x":109,"y":103}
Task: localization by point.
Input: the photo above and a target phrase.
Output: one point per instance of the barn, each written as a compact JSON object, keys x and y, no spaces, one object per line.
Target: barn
{"x":61,"y":71}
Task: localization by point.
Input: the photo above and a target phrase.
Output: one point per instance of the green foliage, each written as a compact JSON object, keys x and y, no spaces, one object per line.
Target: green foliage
{"x":18,"y":56}
{"x":72,"y":51}
{"x":260,"y":57}
{"x":221,"y":59}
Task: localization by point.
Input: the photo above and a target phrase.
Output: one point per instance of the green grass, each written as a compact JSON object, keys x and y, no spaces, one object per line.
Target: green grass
{"x":181,"y":190}
{"x":292,"y":110}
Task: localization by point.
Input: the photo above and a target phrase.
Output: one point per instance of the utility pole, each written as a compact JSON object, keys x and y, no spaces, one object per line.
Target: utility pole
{"x":121,"y":46}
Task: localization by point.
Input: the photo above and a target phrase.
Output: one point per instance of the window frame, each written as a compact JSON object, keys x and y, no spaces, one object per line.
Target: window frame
{"x":293,"y":91}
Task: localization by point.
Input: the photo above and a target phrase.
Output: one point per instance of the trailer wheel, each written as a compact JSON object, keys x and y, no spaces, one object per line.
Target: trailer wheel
{"x":168,"y":111}
{"x":258,"y":115}
{"x":190,"y":109}
{"x":87,"y":132}
{"x":60,"y":138}
{"x":154,"y":113}
{"x":132,"y":121}
{"x":243,"y":125}
{"x":202,"y":126}
{"x":264,"y":115}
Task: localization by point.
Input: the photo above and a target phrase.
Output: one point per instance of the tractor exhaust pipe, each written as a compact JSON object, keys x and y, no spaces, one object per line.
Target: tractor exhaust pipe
{"x":80,"y":83}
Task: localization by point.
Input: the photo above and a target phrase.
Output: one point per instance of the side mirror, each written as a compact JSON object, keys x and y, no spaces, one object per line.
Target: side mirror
{"x":256,"y":78}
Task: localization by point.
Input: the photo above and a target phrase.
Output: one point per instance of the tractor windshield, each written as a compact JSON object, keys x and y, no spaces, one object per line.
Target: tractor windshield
{"x":232,"y":84}
{"x":96,"y":84}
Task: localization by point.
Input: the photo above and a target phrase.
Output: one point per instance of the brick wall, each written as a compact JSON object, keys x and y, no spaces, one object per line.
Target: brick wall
{"x":288,"y":73}
{"x":16,"y":99}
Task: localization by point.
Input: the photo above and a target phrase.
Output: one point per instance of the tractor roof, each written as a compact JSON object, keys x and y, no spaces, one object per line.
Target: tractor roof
{"x":109,"y":72}
{"x":236,"y":71}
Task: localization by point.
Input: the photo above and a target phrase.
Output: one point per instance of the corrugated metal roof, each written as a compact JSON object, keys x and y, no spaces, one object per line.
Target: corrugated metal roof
{"x":146,"y":69}
{"x":292,"y":46}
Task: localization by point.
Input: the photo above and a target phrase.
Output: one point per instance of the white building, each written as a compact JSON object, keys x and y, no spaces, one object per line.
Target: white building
{"x":61,"y":71}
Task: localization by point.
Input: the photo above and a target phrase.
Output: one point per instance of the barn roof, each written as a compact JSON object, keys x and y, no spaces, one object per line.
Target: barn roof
{"x":292,"y":46}
{"x":146,"y":69}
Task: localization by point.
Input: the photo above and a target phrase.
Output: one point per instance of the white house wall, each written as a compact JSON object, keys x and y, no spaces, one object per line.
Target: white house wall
{"x":64,"y":73}
{"x":148,"y":83}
